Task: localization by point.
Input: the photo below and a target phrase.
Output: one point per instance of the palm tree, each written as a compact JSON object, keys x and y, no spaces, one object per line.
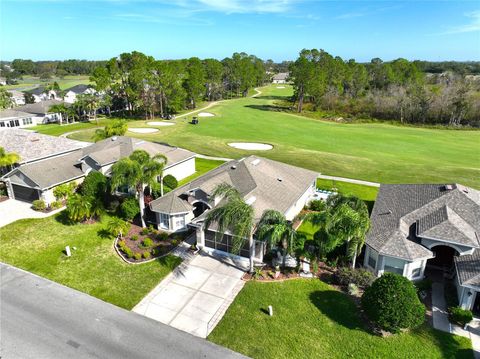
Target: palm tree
{"x":234,"y":217}
{"x":96,"y":207}
{"x":274,"y":228}
{"x":117,"y":226}
{"x":78,"y":208}
{"x":138,"y":170}
{"x":350,"y":222}
{"x":8,"y":159}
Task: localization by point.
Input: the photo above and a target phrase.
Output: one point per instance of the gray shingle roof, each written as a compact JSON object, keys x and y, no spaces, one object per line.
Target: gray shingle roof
{"x":399,"y":208}
{"x":280,"y":76}
{"x":115,"y":148}
{"x":13,"y":113}
{"x":31,"y":146}
{"x":79,"y":89}
{"x":50,"y":172}
{"x":266,"y":183}
{"x":173,"y":204}
{"x":468,"y":269}
{"x":39,"y":108}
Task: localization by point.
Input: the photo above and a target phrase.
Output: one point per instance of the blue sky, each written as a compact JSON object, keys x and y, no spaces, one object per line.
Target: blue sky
{"x":275,"y":29}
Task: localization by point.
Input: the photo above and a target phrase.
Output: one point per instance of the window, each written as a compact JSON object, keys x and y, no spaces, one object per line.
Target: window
{"x":164,"y":221}
{"x":416,"y":272}
{"x":179,"y":221}
{"x":27,"y":121}
{"x":394,"y":265}
{"x":2,"y":124}
{"x":372,"y":262}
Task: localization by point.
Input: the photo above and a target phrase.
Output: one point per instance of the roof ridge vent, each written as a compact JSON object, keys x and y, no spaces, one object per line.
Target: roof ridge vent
{"x":389,"y":211}
{"x":279,"y":179}
{"x":256,"y":161}
{"x":114,"y":138}
{"x":448,"y":187}
{"x":233,"y":167}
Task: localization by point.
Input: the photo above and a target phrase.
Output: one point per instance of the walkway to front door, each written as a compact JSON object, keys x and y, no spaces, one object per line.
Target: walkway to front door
{"x":194,"y":297}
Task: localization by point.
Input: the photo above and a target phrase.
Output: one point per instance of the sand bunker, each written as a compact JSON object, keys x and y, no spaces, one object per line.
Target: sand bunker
{"x":205,"y":114}
{"x":280,"y":87}
{"x":252,"y":146}
{"x":143,"y":130}
{"x":159,"y":123}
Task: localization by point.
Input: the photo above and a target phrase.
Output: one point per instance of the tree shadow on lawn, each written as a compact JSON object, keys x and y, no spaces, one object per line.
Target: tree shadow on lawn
{"x":271,"y":97}
{"x":338,"y":307}
{"x":62,"y":218}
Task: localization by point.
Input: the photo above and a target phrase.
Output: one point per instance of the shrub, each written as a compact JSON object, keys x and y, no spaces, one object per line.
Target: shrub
{"x":423,"y":285}
{"x":134,"y":237}
{"x":137,"y":256}
{"x":353,"y":289}
{"x":39,"y":205}
{"x":147,"y":243}
{"x":174,"y":242}
{"x":146,"y":255}
{"x":162,"y":236}
{"x":128,"y":252}
{"x":360,"y":277}
{"x":121,"y":243}
{"x":129,"y":209}
{"x":94,"y":185}
{"x":317,"y":205}
{"x":56,"y":204}
{"x":170,"y":181}
{"x":64,"y":190}
{"x":144,"y":231}
{"x":392,"y":303}
{"x":460,"y":316}
{"x":151,"y":229}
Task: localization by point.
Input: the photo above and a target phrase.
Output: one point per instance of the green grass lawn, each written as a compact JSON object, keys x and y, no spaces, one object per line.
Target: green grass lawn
{"x":307,"y":229}
{"x":202,"y":166}
{"x":367,"y":193}
{"x":375,"y":152}
{"x":29,"y":82}
{"x":55,"y":129}
{"x":36,"y":245}
{"x":313,"y":320}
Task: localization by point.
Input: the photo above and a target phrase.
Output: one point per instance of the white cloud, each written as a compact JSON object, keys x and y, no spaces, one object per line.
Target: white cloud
{"x":350,"y":15}
{"x":247,"y":6}
{"x":471,"y":26}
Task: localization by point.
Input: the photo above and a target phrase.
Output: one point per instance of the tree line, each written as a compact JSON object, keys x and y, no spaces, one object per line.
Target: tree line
{"x":142,"y":85}
{"x":398,"y":90}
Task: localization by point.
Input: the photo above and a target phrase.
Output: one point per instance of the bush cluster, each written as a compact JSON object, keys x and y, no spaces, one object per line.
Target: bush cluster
{"x":360,"y":277}
{"x":39,"y":205}
{"x":162,"y":236}
{"x":134,"y":237}
{"x":460,"y":316}
{"x":170,"y":182}
{"x":94,"y":185}
{"x":129,"y":209}
{"x":56,"y":204}
{"x":392,"y":303}
{"x":146,"y":255}
{"x":125,"y":249}
{"x":64,"y":190}
{"x":317,"y":205}
{"x":146,"y":243}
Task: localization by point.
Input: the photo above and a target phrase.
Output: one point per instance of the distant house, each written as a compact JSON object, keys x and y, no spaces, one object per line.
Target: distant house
{"x":42,"y":94}
{"x":427,"y":228}
{"x":263,"y":183}
{"x":72,"y":93}
{"x":3,"y":81}
{"x":17,"y":97}
{"x":280,"y":78}
{"x":30,"y":115}
{"x":36,"y":180}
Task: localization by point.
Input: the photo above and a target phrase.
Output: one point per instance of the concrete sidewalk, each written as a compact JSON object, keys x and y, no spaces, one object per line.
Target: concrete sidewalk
{"x":441,"y":322}
{"x":194,"y":297}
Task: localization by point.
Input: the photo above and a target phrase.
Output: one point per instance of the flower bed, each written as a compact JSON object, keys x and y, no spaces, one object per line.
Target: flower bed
{"x":144,"y":244}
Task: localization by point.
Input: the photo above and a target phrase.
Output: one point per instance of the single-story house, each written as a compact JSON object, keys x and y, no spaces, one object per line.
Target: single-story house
{"x":38,"y":179}
{"x":42,"y":94}
{"x":263,"y":183}
{"x":280,"y":78}
{"x":17,"y":97}
{"x":419,"y":226}
{"x":72,"y":93}
{"x":30,"y":115}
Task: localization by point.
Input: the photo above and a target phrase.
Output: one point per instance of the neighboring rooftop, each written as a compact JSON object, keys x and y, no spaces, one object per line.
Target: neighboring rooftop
{"x":31,"y":146}
{"x":402,"y":214}
{"x":79,"y":89}
{"x":39,"y":108}
{"x":114,"y":148}
{"x":50,"y":172}
{"x":264,"y":183}
{"x":280,"y":76}
{"x":468,"y":269}
{"x":13,"y":113}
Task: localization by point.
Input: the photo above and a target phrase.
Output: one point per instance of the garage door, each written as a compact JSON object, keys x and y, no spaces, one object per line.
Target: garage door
{"x":24,"y":193}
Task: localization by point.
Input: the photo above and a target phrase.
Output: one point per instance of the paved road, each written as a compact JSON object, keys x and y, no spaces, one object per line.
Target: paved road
{"x":42,"y":319}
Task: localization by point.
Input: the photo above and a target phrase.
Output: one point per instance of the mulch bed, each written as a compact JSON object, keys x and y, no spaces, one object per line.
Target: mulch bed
{"x":162,"y":243}
{"x":3,"y":198}
{"x":267,"y":274}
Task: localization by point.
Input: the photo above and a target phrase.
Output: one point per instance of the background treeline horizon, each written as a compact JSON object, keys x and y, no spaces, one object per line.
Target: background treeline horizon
{"x":415,"y":92}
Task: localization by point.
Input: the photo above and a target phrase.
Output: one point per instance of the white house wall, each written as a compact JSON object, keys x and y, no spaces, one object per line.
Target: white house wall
{"x":300,"y":203}
{"x":181,"y":170}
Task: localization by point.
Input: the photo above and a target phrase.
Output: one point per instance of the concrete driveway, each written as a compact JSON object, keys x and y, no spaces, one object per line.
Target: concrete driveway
{"x":12,"y":210}
{"x":40,"y":319}
{"x":194,"y":297}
